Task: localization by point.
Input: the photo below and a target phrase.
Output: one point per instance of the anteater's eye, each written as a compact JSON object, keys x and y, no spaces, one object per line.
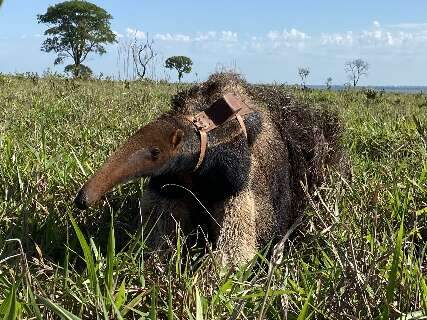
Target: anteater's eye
{"x":155,"y":152}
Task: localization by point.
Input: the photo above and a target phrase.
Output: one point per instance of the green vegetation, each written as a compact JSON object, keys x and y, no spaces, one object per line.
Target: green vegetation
{"x":359,"y":253}
{"x":77,"y":28}
{"x":181,"y":64}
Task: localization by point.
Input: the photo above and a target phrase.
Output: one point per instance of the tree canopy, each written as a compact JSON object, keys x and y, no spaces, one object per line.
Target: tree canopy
{"x":76,"y":28}
{"x":181,"y":64}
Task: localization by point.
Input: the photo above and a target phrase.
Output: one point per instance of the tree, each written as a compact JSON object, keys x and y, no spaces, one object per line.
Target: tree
{"x":142,"y":53}
{"x":80,"y":71}
{"x":303,"y":74}
{"x":355,"y":69}
{"x":180,"y":63}
{"x":77,"y":28}
{"x":328,"y":83}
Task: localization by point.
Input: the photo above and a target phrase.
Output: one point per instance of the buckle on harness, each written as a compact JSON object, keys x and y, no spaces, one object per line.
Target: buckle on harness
{"x":221,"y":111}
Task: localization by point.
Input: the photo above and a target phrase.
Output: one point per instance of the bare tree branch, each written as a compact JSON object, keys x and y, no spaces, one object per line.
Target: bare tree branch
{"x":142,"y":53}
{"x":356,"y":69}
{"x":87,"y":51}
{"x":303,"y":74}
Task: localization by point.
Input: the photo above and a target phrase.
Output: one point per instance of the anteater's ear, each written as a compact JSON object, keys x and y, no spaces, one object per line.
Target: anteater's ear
{"x":176,"y":138}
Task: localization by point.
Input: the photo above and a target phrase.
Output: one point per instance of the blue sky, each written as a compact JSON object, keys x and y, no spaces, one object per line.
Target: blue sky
{"x":264,"y":40}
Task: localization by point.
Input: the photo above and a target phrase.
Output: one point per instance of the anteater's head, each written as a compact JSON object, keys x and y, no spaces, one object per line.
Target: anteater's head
{"x":169,"y":145}
{"x":151,"y":151}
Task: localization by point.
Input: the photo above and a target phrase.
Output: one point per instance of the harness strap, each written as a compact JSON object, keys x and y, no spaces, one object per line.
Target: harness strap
{"x":203,"y":148}
{"x":221,"y":111}
{"x":242,"y":124}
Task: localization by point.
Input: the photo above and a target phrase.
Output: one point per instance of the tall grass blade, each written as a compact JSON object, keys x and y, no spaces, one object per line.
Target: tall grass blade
{"x":10,"y":305}
{"x":392,"y":277}
{"x":116,"y":310}
{"x":178,"y":252}
{"x":60,"y":311}
{"x":103,"y":305}
{"x":90,"y":265}
{"x":135,"y":301}
{"x":111,"y":253}
{"x":120,"y":296}
{"x":66,"y":261}
{"x":423,"y":295}
{"x":153,"y":307}
{"x":33,"y":304}
{"x":170,"y":298}
{"x":199,"y":307}
{"x":306,"y":307}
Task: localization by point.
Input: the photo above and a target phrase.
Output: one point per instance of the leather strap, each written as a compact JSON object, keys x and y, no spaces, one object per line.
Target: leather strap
{"x":242,"y":124}
{"x":224,"y":109}
{"x":203,"y":148}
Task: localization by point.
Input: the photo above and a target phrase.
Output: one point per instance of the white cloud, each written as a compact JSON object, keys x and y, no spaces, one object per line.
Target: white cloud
{"x":378,"y":36}
{"x":291,"y":35}
{"x":172,"y":37}
{"x":340,"y":39}
{"x":133,"y":33}
{"x":205,"y":36}
{"x":381,"y":37}
{"x":408,"y":36}
{"x":285,"y":38}
{"x":228,"y":36}
{"x":223,"y":36}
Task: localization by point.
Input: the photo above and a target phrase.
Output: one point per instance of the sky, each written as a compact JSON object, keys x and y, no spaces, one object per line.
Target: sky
{"x":266,"y":41}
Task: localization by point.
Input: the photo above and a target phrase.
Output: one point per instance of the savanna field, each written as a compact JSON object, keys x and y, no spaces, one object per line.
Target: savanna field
{"x":359,"y":253}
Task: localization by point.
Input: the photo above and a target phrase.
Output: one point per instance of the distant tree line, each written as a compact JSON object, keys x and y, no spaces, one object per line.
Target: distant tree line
{"x":77,"y":28}
{"x":355,"y":69}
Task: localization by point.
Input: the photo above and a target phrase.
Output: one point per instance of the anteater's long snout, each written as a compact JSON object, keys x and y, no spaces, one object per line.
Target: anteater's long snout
{"x":125,"y":163}
{"x":115,"y":171}
{"x":93,"y":190}
{"x":80,"y":201}
{"x":142,"y":155}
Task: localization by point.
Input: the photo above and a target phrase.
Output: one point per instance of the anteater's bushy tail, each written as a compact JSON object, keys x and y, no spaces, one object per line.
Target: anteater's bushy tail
{"x":312,"y":135}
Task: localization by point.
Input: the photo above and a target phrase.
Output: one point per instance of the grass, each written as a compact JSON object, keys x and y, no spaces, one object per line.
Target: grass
{"x":359,"y":252}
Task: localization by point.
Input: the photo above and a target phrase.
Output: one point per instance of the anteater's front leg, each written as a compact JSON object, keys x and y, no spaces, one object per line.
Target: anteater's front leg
{"x":162,"y":218}
{"x":237,"y":235}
